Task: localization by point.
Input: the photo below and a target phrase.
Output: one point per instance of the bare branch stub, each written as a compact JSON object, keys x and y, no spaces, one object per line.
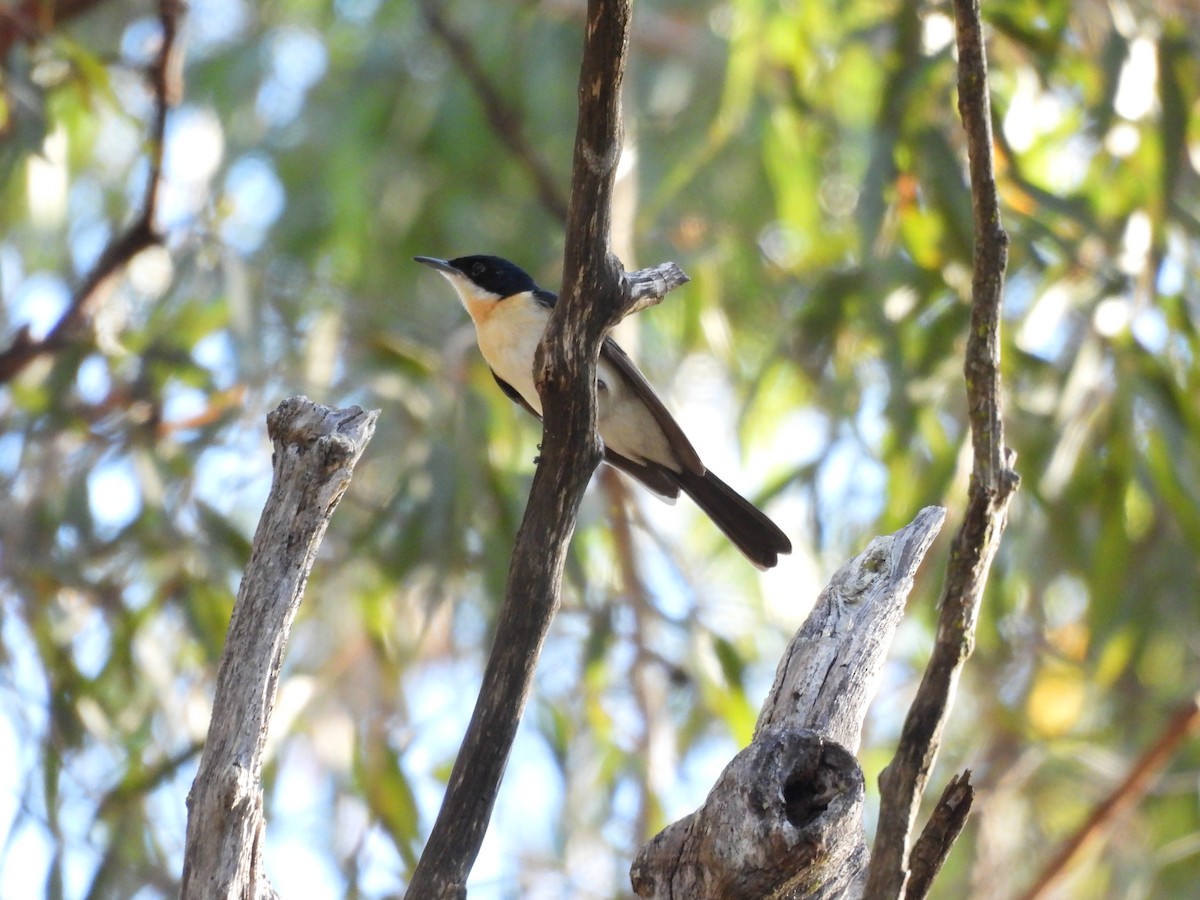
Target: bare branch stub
{"x":992,"y":484}
{"x":648,"y":287}
{"x":940,"y":832}
{"x":830,"y":670}
{"x":315,"y":451}
{"x":166,"y":78}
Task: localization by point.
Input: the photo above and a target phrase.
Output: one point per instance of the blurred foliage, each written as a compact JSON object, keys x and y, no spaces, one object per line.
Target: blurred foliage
{"x":804,"y":163}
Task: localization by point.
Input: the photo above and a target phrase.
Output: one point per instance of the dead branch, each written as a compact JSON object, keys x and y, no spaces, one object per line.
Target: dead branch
{"x":316,"y":449}
{"x":785,"y":818}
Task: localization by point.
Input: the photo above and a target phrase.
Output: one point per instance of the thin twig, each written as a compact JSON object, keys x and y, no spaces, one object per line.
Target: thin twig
{"x":1126,"y":796}
{"x":941,"y":831}
{"x":504,"y":119}
{"x":992,"y":484}
{"x":166,"y":84}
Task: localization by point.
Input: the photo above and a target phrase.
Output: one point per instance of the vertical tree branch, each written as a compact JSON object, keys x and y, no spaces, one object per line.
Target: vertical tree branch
{"x":992,"y":484}
{"x":596,"y":294}
{"x":316,"y":449}
{"x":166,"y":81}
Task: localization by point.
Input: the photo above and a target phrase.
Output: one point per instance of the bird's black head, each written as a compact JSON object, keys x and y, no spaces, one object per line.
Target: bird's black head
{"x":496,"y":275}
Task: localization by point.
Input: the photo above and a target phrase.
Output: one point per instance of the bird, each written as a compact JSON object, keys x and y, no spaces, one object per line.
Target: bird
{"x":640,"y":436}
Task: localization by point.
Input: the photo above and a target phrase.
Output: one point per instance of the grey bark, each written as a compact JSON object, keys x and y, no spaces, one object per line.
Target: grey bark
{"x":316,"y":449}
{"x":784,"y":820}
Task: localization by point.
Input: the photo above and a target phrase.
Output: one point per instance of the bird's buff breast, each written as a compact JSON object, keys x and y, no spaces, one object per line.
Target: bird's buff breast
{"x":508,"y":334}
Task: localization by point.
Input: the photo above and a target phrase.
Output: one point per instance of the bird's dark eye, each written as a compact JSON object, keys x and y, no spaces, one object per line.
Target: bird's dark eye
{"x":478,"y":269}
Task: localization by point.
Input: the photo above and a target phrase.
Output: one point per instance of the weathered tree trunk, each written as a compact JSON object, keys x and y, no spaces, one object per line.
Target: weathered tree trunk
{"x":316,"y":449}
{"x":784,"y":820}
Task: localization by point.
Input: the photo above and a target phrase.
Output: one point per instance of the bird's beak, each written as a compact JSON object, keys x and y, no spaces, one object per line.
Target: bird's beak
{"x":440,"y":264}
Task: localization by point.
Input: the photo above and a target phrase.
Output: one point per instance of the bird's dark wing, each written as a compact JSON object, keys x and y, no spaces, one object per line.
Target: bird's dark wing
{"x":514,"y":395}
{"x":657,"y":478}
{"x":685,"y":453}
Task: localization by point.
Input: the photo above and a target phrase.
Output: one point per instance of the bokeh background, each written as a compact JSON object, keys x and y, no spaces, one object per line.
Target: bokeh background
{"x":803,"y":162}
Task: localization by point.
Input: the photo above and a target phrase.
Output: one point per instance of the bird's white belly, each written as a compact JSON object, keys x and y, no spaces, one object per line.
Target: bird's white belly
{"x":626,"y":425}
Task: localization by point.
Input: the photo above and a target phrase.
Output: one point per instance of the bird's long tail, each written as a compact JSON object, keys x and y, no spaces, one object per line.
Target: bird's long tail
{"x":759,"y":539}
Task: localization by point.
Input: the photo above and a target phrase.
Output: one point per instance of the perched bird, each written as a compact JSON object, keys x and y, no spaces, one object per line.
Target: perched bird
{"x":640,"y":437}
